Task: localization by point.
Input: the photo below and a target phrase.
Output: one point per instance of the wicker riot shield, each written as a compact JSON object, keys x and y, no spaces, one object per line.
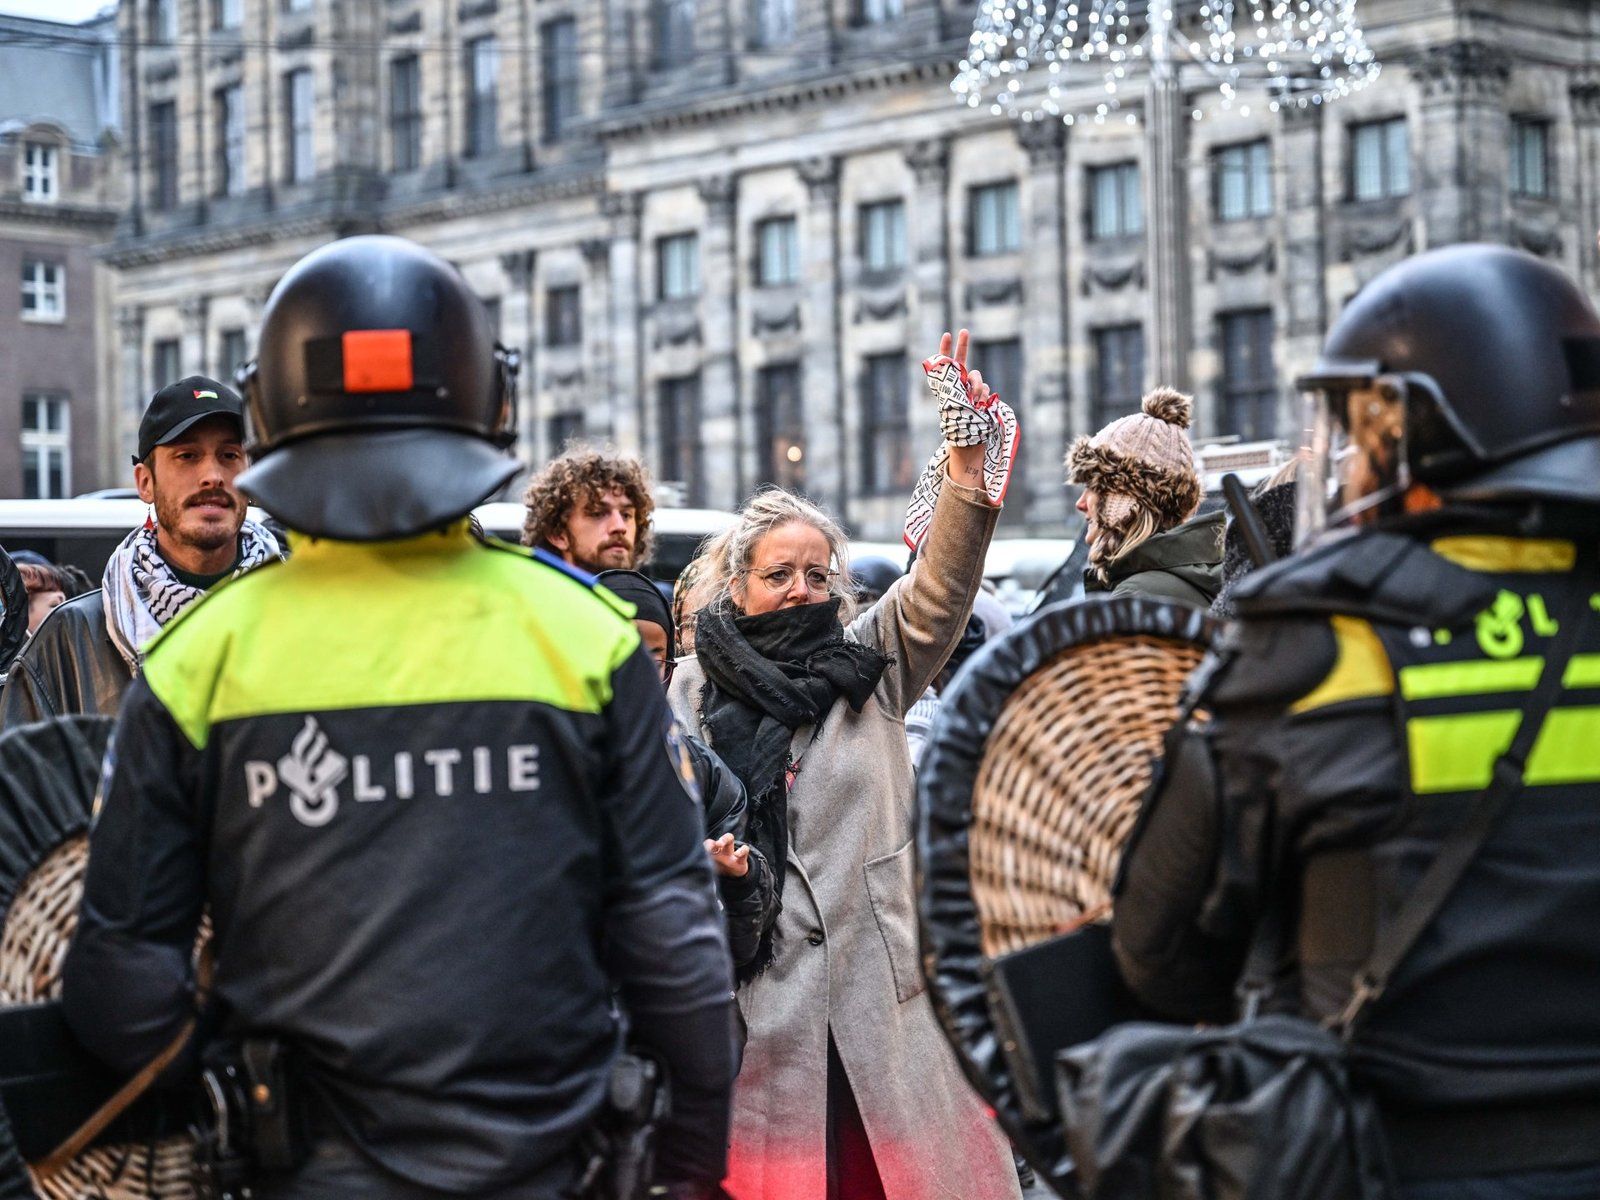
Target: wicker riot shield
{"x":48,"y":776}
{"x":1029,"y":786}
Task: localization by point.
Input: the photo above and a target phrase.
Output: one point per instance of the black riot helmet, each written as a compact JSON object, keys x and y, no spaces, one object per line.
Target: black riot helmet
{"x":380,"y":405}
{"x":873,"y":575}
{"x":1473,"y":371}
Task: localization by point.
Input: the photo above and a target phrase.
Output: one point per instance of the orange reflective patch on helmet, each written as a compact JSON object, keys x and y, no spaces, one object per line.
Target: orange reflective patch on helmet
{"x":377,"y":360}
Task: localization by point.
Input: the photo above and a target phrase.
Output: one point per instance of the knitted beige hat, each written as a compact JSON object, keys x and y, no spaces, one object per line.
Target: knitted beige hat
{"x":1143,"y":458}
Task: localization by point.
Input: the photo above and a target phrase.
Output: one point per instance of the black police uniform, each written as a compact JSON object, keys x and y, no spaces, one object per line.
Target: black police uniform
{"x":425,"y":783}
{"x":1355,"y":710}
{"x":414,"y":867}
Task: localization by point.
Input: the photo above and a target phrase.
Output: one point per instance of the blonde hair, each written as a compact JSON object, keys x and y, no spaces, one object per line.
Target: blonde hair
{"x":1286,"y":472}
{"x":1120,"y":538}
{"x":731,"y":553}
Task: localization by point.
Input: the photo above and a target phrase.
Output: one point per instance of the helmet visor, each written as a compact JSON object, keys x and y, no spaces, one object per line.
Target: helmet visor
{"x":1353,"y":461}
{"x":1317,"y":484}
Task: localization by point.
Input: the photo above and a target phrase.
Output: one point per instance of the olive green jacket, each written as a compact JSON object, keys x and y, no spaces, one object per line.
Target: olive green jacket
{"x":1184,"y":564}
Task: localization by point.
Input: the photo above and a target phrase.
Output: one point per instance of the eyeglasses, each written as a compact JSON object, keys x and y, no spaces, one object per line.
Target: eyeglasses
{"x":780,"y":579}
{"x":666,"y":666}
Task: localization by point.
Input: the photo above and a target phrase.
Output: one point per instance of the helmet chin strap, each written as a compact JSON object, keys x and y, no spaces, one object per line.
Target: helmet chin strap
{"x":510,"y":363}
{"x":246,"y":377}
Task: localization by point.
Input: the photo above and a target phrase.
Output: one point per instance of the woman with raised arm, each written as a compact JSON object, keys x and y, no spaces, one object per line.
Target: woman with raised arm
{"x":849,"y":1090}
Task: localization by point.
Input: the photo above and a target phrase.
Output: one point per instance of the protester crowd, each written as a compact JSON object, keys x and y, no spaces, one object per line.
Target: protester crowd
{"x":802,"y":688}
{"x":816,"y":686}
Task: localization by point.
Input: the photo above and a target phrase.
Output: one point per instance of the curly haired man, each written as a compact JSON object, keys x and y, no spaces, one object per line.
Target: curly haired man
{"x":592,"y":509}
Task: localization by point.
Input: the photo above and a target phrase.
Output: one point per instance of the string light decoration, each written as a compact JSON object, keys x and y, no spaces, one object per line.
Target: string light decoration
{"x":1301,"y":52}
{"x":1298,"y":52}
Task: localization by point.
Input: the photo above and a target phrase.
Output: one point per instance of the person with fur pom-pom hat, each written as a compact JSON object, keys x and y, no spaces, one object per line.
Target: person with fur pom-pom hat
{"x":1140,"y":495}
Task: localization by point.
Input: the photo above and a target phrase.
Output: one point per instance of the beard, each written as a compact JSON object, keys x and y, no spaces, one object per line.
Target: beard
{"x":612,"y":556}
{"x":205,"y":535}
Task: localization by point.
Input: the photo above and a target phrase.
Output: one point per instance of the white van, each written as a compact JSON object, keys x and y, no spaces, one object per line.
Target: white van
{"x":1016,"y":567}
{"x":82,"y":532}
{"x":85,"y":531}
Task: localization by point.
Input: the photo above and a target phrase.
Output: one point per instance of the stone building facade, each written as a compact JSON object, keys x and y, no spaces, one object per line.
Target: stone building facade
{"x":58,"y":200}
{"x":724,"y":232}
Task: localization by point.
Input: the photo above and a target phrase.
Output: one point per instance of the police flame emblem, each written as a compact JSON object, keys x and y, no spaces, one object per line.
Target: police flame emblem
{"x":313,"y":770}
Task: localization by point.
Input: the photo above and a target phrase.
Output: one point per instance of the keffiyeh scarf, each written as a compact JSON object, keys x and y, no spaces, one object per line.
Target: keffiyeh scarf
{"x":142,"y":593}
{"x":964,"y":422}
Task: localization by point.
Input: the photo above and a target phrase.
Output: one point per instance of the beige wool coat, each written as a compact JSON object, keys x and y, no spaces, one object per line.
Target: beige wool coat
{"x":847,"y":954}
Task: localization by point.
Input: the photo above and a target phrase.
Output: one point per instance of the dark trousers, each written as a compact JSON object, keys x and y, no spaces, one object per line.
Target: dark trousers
{"x":852,"y":1173}
{"x":337,"y":1170}
{"x":1567,"y":1183}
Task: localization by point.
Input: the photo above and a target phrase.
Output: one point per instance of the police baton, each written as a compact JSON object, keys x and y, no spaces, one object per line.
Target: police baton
{"x":1248,"y":521}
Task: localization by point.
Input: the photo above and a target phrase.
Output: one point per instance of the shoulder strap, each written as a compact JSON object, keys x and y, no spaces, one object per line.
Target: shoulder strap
{"x":100,"y":1120}
{"x":83,"y":1137}
{"x":1394,"y":940}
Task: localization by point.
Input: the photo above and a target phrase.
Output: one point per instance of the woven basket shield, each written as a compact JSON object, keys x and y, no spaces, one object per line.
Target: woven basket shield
{"x":1059,"y":784}
{"x":44,"y":817}
{"x":1030,"y":785}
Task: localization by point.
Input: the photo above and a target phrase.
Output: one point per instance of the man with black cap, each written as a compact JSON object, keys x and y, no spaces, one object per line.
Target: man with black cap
{"x":191,"y":449}
{"x":425,"y":783}
{"x":744,"y":877}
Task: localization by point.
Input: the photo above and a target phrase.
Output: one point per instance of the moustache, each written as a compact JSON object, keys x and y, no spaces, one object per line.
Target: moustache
{"x":219,"y":499}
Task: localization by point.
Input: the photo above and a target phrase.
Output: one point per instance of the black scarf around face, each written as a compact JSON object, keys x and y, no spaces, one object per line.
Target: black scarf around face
{"x":766,"y":676}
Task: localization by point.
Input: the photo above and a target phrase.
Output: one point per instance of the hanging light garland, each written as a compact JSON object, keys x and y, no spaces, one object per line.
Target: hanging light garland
{"x":1300,"y":52}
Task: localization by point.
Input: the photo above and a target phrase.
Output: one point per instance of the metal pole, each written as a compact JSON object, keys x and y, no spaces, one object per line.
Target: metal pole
{"x":1167,"y":209}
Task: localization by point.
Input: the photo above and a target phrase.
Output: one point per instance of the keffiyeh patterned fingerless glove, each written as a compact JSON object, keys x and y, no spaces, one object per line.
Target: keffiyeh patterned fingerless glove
{"x":963,"y":421}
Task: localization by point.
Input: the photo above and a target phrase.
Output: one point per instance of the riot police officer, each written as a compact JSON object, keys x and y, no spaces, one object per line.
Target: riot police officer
{"x":1357,"y":711}
{"x":423,"y":781}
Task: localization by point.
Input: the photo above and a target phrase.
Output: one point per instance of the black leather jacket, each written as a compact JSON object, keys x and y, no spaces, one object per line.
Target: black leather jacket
{"x":70,"y":665}
{"x":750,"y":901}
{"x":13,"y":612}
